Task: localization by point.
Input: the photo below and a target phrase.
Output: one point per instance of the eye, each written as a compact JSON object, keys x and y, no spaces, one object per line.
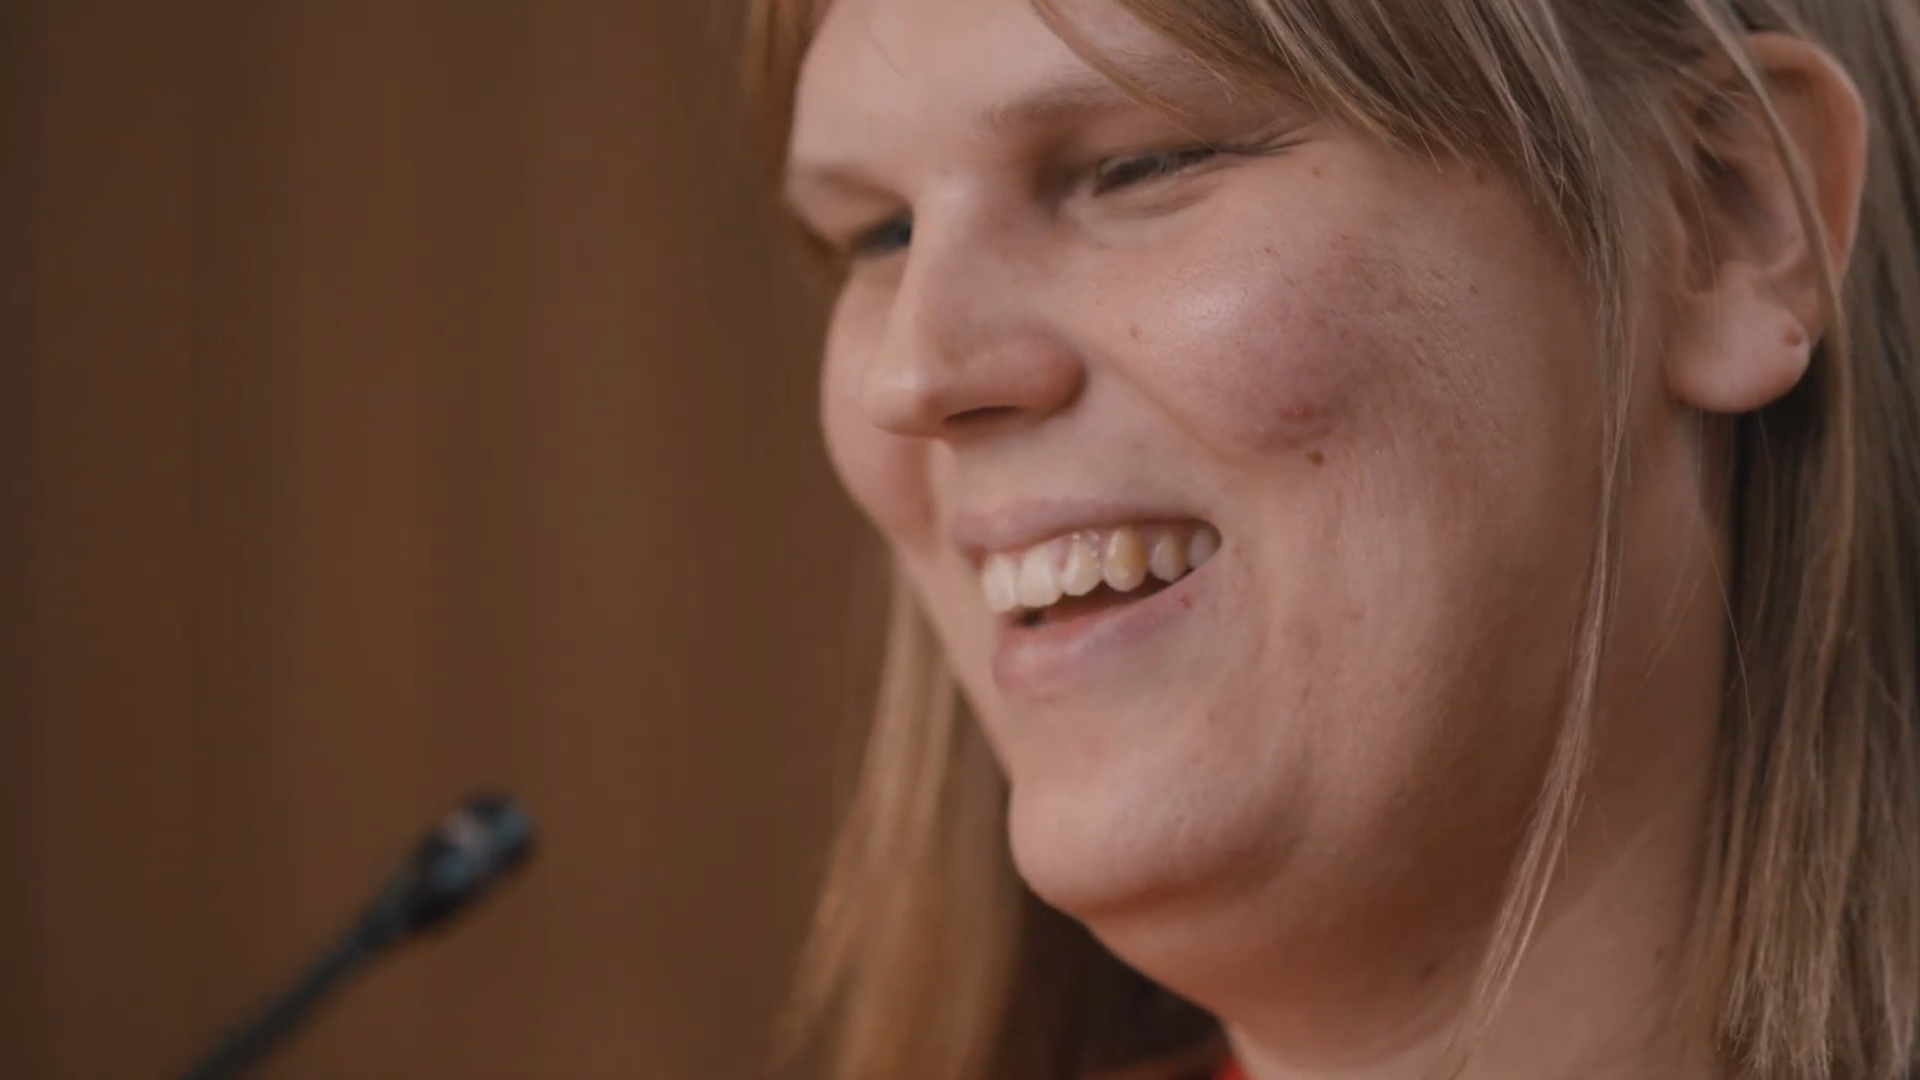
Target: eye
{"x":1117,"y":173}
{"x":888,"y":237}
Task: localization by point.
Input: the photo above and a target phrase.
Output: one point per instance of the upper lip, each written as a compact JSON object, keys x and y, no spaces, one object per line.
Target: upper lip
{"x":1018,"y":525}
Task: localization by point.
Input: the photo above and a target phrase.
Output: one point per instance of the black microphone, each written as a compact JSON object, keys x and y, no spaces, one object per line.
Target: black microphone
{"x":453,"y":865}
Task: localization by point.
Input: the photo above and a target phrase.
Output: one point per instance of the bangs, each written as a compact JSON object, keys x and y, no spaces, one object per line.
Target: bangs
{"x":1500,"y":82}
{"x":1537,"y":90}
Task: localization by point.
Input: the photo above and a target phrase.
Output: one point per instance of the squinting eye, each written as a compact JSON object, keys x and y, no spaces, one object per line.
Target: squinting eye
{"x":1117,"y":173}
{"x":886,"y":238}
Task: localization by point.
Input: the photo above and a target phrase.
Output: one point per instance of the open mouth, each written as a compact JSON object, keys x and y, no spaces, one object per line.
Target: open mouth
{"x":1102,"y":599}
{"x":1091,"y":572}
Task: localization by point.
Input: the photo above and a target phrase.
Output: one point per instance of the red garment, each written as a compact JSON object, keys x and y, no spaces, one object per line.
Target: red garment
{"x":1230,"y":1071}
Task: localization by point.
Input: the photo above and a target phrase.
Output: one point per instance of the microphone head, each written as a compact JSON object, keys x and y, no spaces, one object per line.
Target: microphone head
{"x":473,"y":847}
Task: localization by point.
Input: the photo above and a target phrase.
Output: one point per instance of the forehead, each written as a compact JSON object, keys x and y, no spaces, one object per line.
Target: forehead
{"x":896,"y":44}
{"x":881,"y":68}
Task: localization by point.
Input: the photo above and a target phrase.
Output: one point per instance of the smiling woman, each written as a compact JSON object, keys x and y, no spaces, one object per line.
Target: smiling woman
{"x":1407,"y":523}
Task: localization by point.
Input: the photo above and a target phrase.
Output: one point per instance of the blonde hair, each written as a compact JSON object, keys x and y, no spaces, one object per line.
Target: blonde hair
{"x":928,"y":958}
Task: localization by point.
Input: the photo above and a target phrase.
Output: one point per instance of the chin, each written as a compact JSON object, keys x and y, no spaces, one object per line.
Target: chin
{"x":1111,"y":853}
{"x":1203,"y":870}
{"x":1167,"y":897}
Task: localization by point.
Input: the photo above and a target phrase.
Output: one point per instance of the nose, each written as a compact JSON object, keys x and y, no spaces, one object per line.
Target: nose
{"x":970,"y":345}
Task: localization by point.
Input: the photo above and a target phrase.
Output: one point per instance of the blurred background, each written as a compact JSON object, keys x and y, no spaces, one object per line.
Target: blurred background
{"x":399,"y":398}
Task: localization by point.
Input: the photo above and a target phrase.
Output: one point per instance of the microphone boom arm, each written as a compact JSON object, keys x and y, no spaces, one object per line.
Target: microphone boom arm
{"x":487,"y":837}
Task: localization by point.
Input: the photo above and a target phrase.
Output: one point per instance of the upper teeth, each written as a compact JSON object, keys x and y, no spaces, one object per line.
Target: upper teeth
{"x":1076,"y":564}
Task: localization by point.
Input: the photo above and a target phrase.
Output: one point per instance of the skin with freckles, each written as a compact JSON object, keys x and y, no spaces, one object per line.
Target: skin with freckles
{"x":1296,"y":798}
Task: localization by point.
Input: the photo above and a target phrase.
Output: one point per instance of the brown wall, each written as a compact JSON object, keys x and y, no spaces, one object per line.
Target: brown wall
{"x":399,"y":397}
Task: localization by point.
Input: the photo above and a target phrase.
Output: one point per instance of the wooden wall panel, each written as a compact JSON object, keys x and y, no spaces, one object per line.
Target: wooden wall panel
{"x":22,"y":1046}
{"x":111,"y":232}
{"x":399,"y":398}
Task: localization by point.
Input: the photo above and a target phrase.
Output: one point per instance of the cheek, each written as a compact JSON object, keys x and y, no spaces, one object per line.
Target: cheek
{"x":1255,"y":357}
{"x":1306,"y":338}
{"x":1261,"y":343}
{"x":1403,"y":432}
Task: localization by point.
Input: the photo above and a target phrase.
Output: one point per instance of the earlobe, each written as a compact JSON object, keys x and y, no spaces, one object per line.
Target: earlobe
{"x":1740,"y":347}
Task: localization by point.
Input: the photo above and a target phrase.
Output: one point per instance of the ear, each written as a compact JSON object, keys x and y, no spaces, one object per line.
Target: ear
{"x":1752,"y":305}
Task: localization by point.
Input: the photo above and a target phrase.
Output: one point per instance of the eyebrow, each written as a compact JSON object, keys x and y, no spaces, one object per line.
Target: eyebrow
{"x":1167,"y":80}
{"x":1053,"y":103}
{"x":1159,"y":80}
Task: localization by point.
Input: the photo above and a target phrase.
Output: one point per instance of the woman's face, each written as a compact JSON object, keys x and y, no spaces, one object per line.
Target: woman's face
{"x":1077,"y":345}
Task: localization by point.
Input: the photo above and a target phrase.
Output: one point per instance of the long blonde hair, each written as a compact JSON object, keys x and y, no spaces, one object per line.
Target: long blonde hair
{"x":928,"y":958}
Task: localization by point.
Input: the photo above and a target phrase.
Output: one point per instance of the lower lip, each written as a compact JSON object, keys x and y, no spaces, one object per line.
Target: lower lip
{"x":1050,"y":658}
